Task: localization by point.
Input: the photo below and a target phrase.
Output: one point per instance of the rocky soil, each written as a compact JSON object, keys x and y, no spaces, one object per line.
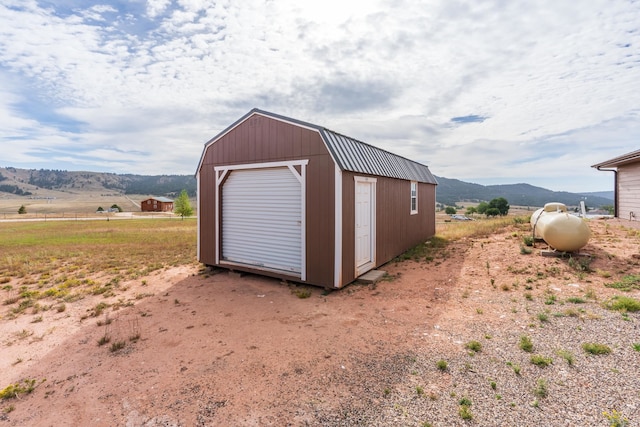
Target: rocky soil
{"x":439,"y":342}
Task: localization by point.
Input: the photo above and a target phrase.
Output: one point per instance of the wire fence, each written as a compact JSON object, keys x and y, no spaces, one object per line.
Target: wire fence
{"x":83,"y":216}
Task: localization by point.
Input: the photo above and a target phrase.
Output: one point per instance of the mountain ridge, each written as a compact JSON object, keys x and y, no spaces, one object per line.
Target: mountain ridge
{"x":450,"y":191}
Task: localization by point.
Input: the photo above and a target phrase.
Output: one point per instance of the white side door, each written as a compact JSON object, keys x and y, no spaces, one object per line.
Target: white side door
{"x":365,"y":224}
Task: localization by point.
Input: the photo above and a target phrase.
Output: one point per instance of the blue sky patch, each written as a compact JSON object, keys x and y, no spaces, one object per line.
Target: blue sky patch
{"x":472,"y":118}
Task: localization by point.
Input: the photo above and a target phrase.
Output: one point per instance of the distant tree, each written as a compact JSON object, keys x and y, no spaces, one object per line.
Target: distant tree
{"x":100,"y":209}
{"x":609,"y":208}
{"x":450,"y":210}
{"x":471,"y":210}
{"x":492,"y":212}
{"x":482,"y":207}
{"x":118,"y":208}
{"x":501,"y":204}
{"x":22,"y":210}
{"x":182,"y":205}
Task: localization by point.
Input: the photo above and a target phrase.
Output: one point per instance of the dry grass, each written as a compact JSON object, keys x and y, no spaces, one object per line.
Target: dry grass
{"x":65,"y":260}
{"x":479,"y":228}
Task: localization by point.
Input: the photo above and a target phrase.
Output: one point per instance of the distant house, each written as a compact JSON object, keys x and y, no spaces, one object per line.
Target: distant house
{"x":289,"y":199}
{"x":626,"y":169}
{"x":157,"y":204}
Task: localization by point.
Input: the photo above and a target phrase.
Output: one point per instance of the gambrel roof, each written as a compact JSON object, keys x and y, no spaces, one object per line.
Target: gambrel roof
{"x":352,"y":155}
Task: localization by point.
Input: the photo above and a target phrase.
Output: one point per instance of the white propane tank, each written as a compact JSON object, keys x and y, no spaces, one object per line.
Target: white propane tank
{"x":561,"y":231}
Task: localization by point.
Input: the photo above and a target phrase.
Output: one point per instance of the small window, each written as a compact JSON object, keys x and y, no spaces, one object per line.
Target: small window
{"x":414,"y":197}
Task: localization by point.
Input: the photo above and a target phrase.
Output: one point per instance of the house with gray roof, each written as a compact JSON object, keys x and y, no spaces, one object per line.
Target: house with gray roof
{"x":156,"y":204}
{"x":626,"y":170}
{"x":289,"y":199}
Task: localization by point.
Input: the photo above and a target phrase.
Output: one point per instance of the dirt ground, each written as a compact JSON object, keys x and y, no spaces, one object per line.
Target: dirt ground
{"x":223,"y":349}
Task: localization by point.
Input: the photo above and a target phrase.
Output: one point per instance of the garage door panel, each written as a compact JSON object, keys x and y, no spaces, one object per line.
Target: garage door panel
{"x":262,"y":219}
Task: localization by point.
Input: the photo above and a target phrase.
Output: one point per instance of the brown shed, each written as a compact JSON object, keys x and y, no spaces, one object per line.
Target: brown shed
{"x":157,"y":204}
{"x":626,"y":169}
{"x":289,"y":199}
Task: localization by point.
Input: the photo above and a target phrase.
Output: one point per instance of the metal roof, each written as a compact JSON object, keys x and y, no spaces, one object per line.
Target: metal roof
{"x":357,"y":156}
{"x":160,"y":199}
{"x":634,"y":156}
{"x":353,"y":155}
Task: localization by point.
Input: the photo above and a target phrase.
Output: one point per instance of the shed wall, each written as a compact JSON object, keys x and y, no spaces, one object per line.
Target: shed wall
{"x":261,"y":139}
{"x":629,"y":192}
{"x":396,"y":229}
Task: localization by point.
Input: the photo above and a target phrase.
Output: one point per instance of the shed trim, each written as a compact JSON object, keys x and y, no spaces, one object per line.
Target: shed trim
{"x":198,"y":216}
{"x":631,"y":157}
{"x":337,"y":266}
{"x":289,"y":164}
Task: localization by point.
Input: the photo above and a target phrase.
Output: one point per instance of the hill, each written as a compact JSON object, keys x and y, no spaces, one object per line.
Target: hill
{"x":452,"y":191}
{"x":40,"y":183}
{"x":36,"y":183}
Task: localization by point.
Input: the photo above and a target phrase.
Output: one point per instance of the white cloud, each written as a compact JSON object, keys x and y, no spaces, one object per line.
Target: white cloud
{"x":157,"y":7}
{"x":555,"y":81}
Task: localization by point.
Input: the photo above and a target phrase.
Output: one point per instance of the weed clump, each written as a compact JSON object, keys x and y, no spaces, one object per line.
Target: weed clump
{"x":596,"y":348}
{"x":13,"y":390}
{"x":526,"y":344}
{"x":540,"y":360}
{"x":465,"y":408}
{"x":302,"y":293}
{"x":627,"y":283}
{"x":474,"y":346}
{"x":566,"y":355}
{"x":622,"y":303}
{"x":541,"y":389}
{"x":118,"y":345}
{"x":442,"y":365}
{"x":616,"y":419}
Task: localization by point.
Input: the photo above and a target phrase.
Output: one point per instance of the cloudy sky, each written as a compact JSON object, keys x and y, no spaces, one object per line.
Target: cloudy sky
{"x":483,"y":91}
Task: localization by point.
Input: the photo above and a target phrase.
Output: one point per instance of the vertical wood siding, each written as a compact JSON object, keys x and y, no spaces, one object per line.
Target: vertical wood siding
{"x":629,"y":192}
{"x":396,"y":229}
{"x":261,"y":139}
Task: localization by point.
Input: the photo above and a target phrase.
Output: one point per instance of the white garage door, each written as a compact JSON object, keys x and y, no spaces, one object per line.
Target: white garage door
{"x":262,"y":219}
